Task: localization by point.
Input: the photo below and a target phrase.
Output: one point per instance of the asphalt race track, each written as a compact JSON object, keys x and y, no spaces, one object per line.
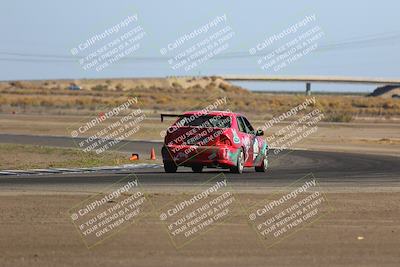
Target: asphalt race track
{"x":330,"y":168}
{"x":142,"y":147}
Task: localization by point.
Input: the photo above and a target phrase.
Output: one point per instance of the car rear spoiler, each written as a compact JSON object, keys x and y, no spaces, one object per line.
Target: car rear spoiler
{"x":169,"y":115}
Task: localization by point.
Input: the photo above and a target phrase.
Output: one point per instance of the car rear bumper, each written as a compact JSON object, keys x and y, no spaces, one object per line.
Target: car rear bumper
{"x":210,"y":156}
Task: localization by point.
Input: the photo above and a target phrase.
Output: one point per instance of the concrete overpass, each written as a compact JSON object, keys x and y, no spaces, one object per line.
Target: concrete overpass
{"x":317,"y":79}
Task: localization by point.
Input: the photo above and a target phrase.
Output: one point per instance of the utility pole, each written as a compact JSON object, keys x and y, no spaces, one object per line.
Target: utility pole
{"x":308,"y":88}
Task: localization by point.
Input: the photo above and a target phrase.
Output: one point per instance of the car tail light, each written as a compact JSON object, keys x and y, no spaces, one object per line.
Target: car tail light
{"x":224,"y":140}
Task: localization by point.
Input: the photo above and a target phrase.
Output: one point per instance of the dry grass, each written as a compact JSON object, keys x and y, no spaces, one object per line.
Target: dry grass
{"x":15,"y":156}
{"x":175,"y":94}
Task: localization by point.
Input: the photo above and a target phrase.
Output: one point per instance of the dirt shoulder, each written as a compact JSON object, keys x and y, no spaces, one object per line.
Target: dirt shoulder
{"x":359,"y":137}
{"x":363,"y":230}
{"x":22,"y":157}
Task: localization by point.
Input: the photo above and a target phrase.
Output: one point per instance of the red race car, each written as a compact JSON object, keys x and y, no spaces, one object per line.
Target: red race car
{"x":217,"y":139}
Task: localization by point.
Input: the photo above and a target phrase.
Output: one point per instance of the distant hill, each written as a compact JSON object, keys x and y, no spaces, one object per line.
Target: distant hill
{"x":387,"y":91}
{"x":126,"y":84}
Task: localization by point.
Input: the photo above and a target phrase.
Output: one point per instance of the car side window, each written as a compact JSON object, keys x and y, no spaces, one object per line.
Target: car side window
{"x":249,"y":128}
{"x":241,"y":125}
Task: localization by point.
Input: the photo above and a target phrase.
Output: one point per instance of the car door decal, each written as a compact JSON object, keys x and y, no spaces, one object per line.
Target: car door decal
{"x":256,"y":149}
{"x":236,"y":138}
{"x":247,"y":144}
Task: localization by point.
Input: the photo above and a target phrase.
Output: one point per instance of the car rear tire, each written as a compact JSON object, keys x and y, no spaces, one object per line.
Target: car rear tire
{"x":264,"y":165}
{"x":239,"y":163}
{"x":170,"y":167}
{"x":197,"y":168}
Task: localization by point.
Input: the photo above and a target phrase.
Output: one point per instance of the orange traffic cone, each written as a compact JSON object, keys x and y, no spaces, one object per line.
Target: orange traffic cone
{"x":134,"y":157}
{"x":152,"y":154}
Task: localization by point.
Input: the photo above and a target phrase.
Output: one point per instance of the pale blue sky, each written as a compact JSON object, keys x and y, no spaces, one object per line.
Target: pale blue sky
{"x":45,"y":27}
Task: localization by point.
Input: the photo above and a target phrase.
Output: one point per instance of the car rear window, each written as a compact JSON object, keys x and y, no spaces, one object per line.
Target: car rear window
{"x":206,"y":121}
